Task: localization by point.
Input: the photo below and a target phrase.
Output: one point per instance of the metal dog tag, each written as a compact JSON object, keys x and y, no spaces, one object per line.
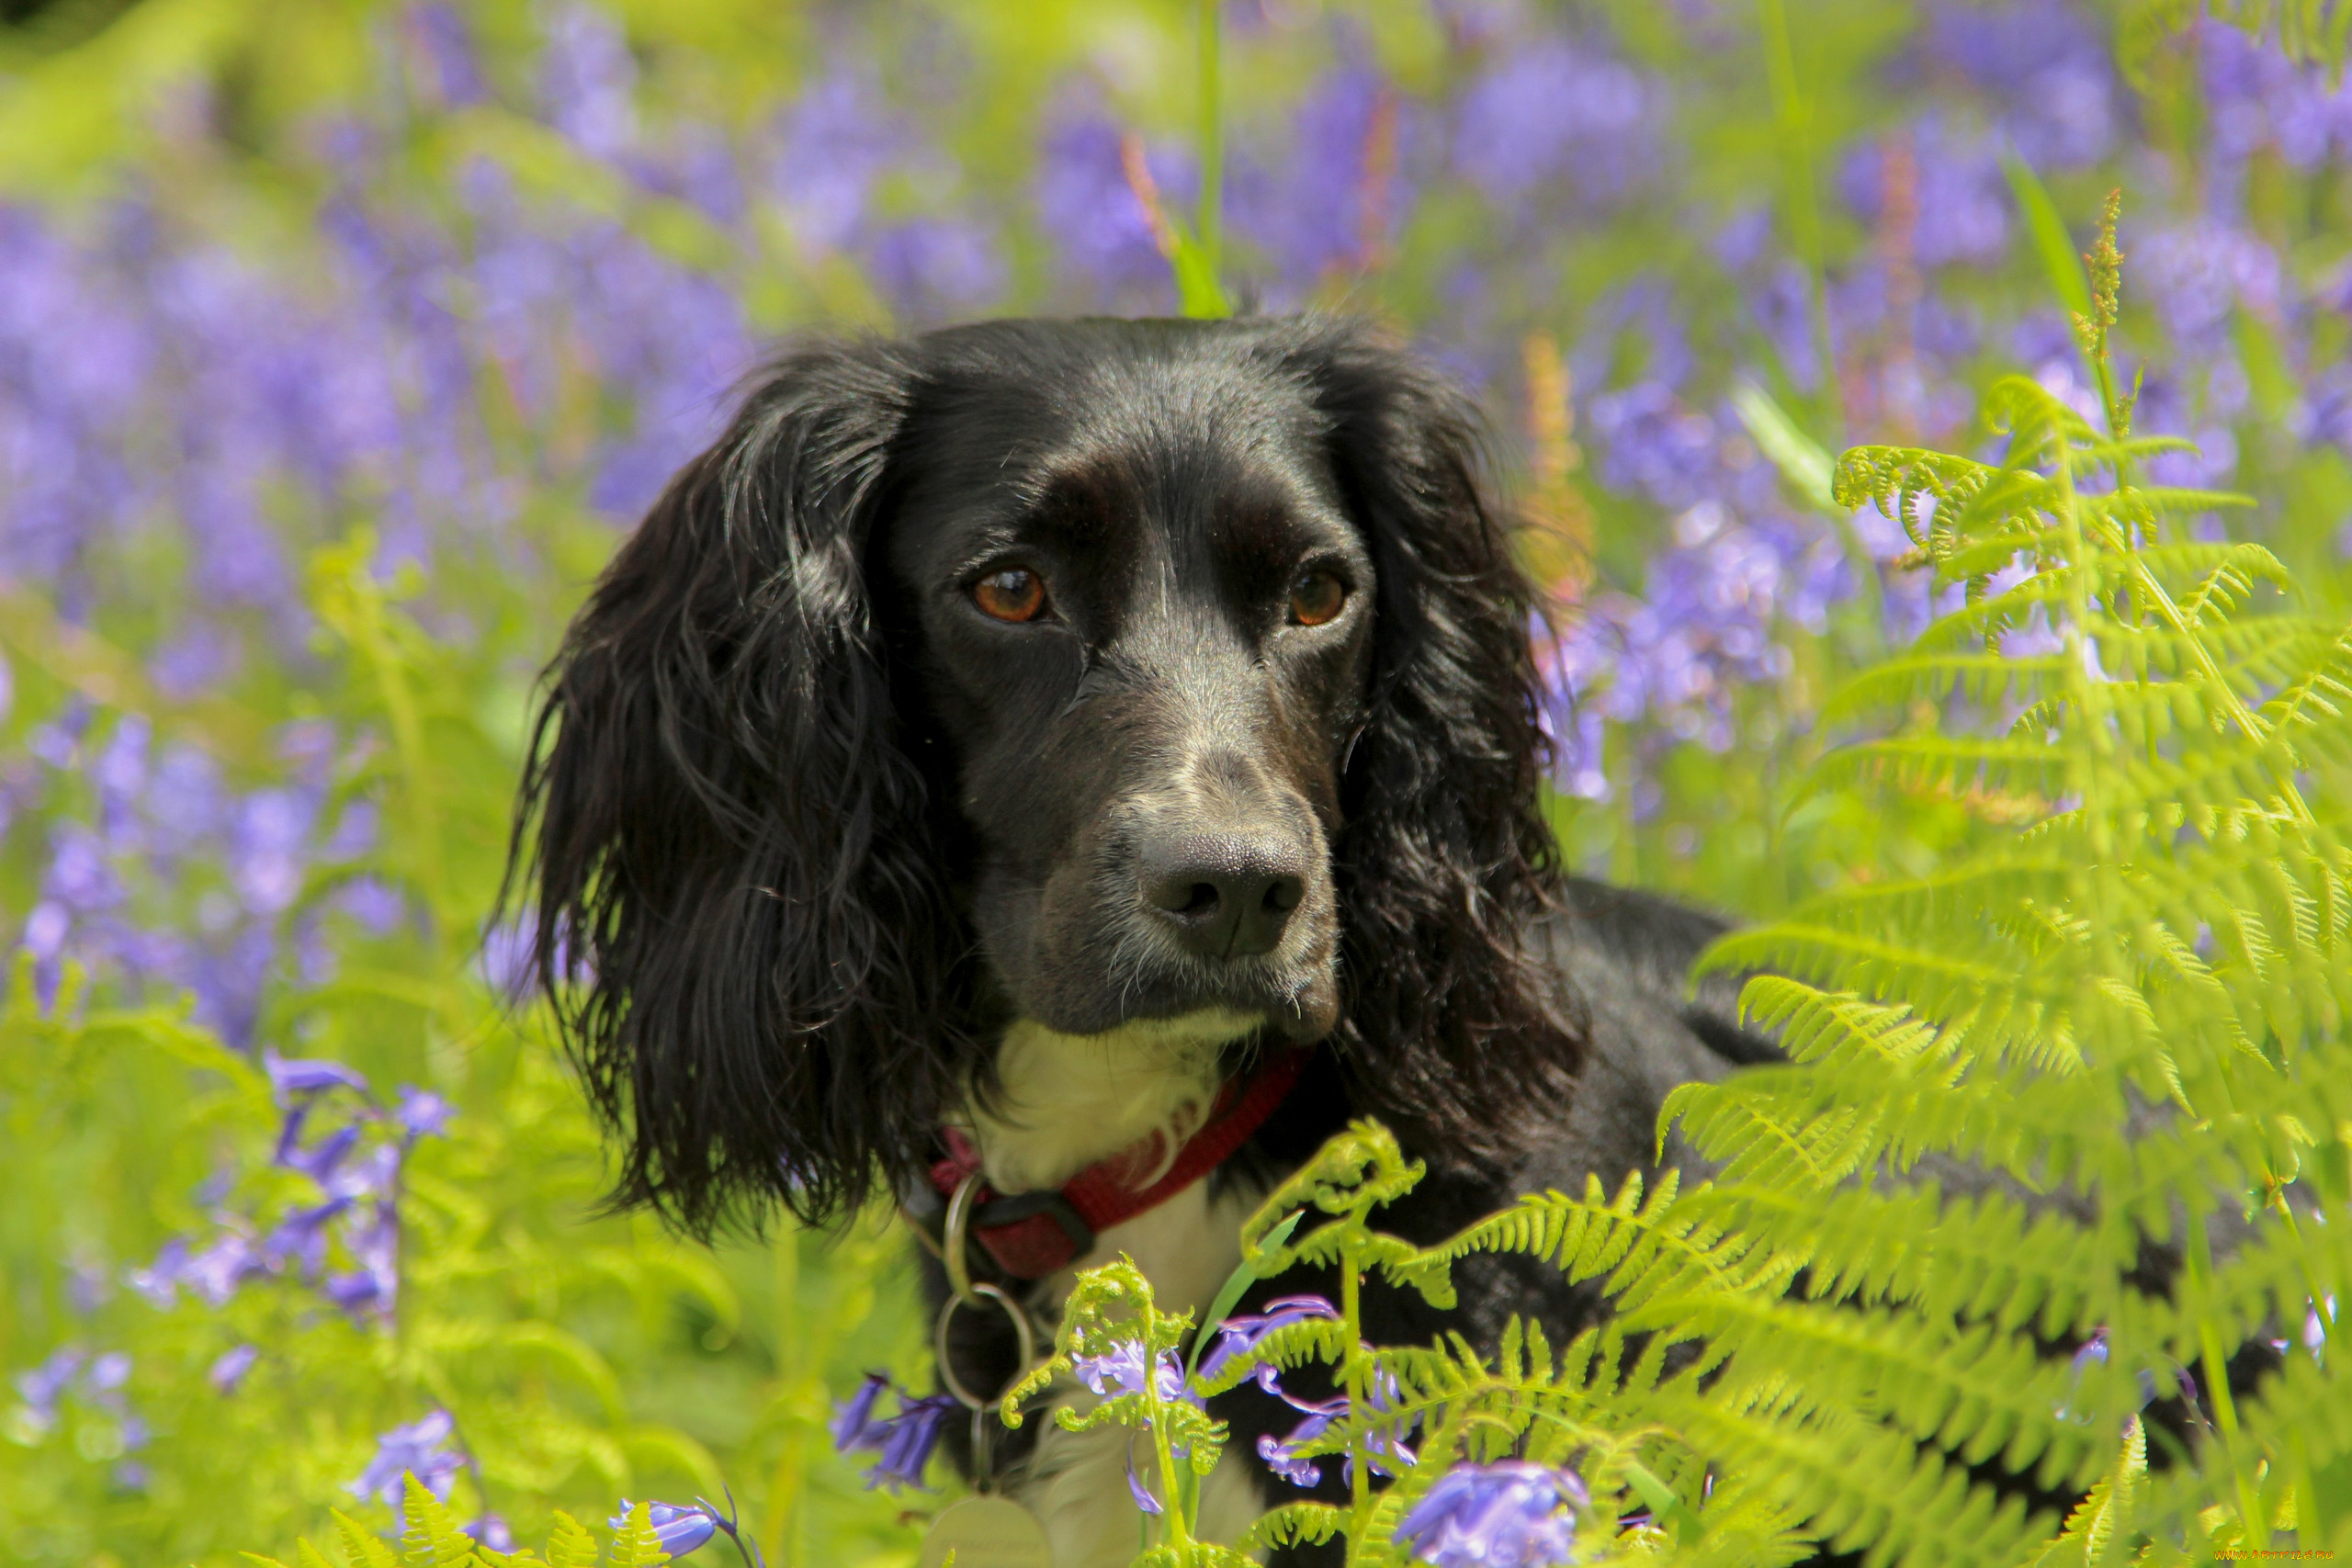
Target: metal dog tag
{"x":986,"y":1532}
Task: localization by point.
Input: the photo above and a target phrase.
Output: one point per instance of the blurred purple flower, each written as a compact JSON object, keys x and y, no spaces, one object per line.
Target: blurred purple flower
{"x":492,"y":1531}
{"x":1089,"y":213}
{"x":2047,"y":71}
{"x":932,"y":267}
{"x":418,"y":1449}
{"x":319,"y":1161}
{"x":216,"y":1271}
{"x":228,"y":1373}
{"x":44,"y":1386}
{"x":109,"y":1371}
{"x":1514,"y":1514}
{"x":837,"y":141}
{"x":159,"y":1280}
{"x":1552,"y":108}
{"x":588,"y":80}
{"x":299,"y":1241}
{"x":423,"y":1113}
{"x":447,"y":46}
{"x":2198,"y":272}
{"x":287,"y":1079}
{"x":373,"y":1288}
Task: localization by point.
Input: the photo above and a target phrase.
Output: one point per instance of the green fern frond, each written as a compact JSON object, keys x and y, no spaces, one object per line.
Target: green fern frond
{"x":431,"y":1538}
{"x":2100,"y":1528}
{"x":1943,"y":763}
{"x":361,"y":1546}
{"x":569,"y":1543}
{"x":1294,"y":1344}
{"x":1853,"y":1483}
{"x":634,"y":1543}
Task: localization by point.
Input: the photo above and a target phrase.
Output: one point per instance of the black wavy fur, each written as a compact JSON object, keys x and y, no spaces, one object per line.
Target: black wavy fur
{"x":742,"y":875}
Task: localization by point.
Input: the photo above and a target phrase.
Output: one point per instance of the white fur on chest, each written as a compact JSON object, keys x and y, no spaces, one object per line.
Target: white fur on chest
{"x":1066,"y":1101}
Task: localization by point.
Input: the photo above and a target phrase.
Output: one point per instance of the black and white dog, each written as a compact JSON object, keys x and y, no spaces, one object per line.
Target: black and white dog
{"x":1095,"y":759}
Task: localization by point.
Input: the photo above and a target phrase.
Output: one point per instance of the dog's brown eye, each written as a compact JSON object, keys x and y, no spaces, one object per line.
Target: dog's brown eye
{"x":1316,"y":598}
{"x":1013,"y":595}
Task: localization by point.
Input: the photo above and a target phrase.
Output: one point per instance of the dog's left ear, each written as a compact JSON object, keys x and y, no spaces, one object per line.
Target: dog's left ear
{"x":737,"y":913}
{"x":1445,"y":861}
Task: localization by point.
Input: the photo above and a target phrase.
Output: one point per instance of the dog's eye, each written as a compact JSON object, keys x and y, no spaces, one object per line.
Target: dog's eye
{"x":1316,"y":598}
{"x":1014,"y":594}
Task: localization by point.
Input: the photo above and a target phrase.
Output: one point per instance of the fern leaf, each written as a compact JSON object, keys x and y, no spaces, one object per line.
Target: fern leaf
{"x":634,"y":1543}
{"x":431,"y":1538}
{"x":2101,"y":1522}
{"x":1293,"y":1525}
{"x":361,"y":1546}
{"x":569,"y":1543}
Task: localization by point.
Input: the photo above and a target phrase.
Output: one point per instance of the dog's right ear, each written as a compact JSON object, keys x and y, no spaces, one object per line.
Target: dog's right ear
{"x":720,"y":847}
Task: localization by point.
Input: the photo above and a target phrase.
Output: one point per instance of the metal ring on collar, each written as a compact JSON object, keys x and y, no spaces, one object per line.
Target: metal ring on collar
{"x":1026,"y":1340}
{"x":953,"y":1250}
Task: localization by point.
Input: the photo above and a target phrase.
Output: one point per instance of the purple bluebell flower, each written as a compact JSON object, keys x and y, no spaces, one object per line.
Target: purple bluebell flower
{"x":109,"y":1373}
{"x":1550,"y":109}
{"x":1098,"y":226}
{"x":1239,"y":1334}
{"x":374,"y":1287}
{"x":679,"y":1528}
{"x":215,"y":1272}
{"x":159,"y":1280}
{"x":299,"y":1241}
{"x":588,"y":80}
{"x":423,"y":1113}
{"x":493,"y":1532}
{"x":87,"y":1287}
{"x":418,"y":1448}
{"x":228,"y":1373}
{"x":854,"y":1418}
{"x":1144,"y":1500}
{"x":318,"y":1161}
{"x":45,"y":1384}
{"x":1514,"y":1514}
{"x":1281,"y":1455}
{"x":289,"y":1078}
{"x":1386,"y":1449}
{"x":1123,"y":1372}
{"x":905,"y":1440}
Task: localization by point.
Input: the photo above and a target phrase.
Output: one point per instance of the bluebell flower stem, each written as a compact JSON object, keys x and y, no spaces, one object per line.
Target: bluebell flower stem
{"x":1359,"y":1389}
{"x":1791,"y":116}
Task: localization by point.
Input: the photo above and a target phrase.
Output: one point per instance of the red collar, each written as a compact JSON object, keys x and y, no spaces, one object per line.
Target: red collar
{"x":1032,"y":1234}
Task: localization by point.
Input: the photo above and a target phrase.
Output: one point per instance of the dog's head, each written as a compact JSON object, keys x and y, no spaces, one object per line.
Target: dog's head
{"x":1055,"y":676}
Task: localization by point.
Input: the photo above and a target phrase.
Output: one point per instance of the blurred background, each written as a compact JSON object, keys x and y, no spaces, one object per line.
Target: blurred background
{"x":340,"y":340}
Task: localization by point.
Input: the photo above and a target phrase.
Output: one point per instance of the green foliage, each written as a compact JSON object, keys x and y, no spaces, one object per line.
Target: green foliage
{"x":583,"y":1356}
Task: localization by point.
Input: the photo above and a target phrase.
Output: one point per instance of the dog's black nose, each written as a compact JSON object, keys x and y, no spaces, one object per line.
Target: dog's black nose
{"x":1223,"y":896}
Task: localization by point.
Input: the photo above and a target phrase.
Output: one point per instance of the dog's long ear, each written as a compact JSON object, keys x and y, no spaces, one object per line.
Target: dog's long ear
{"x":1445,"y":859}
{"x":721,"y":846}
